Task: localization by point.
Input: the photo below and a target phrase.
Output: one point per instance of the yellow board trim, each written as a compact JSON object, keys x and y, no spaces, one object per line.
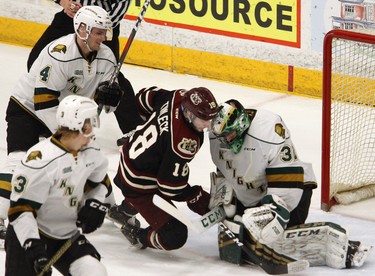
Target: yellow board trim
{"x":255,"y":73}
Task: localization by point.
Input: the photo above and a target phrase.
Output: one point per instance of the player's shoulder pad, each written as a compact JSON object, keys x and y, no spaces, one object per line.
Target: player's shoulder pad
{"x":268,"y":127}
{"x":63,"y":48}
{"x":42,"y":154}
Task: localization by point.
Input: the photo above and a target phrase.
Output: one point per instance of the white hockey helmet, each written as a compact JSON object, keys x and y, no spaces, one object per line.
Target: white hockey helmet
{"x":92,"y":17}
{"x":74,"y":111}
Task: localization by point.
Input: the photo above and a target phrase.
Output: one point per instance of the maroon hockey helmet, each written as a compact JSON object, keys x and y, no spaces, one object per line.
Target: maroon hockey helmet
{"x":201,"y":103}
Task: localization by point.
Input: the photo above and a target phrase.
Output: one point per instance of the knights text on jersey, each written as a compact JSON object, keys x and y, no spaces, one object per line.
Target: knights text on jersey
{"x":50,"y":182}
{"x":157,"y":155}
{"x":60,"y":71}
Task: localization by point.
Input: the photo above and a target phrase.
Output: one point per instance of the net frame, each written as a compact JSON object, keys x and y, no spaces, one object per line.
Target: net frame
{"x":330,"y":195}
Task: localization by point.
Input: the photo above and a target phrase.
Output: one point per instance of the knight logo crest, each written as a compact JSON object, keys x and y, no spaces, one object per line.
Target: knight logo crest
{"x":34,"y":155}
{"x":188,"y":146}
{"x":60,"y":48}
{"x":280,"y":130}
{"x":195,"y":99}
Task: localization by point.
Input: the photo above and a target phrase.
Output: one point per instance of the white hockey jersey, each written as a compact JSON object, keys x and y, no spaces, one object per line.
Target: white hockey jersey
{"x":49,"y":183}
{"x":60,"y":71}
{"x":266,"y":164}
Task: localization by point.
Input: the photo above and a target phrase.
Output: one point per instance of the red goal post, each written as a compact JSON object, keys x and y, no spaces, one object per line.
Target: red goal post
{"x":348,"y":126}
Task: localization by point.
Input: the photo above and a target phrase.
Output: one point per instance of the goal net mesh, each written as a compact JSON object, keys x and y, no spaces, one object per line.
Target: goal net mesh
{"x":352,"y":141}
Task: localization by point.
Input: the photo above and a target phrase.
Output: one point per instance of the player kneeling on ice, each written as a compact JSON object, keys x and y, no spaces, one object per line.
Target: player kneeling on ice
{"x":266,"y":191}
{"x":154,"y":161}
{"x":58,"y":189}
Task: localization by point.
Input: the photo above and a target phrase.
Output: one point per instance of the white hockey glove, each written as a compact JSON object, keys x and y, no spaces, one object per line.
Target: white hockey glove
{"x":267,"y":222}
{"x":221,"y":194}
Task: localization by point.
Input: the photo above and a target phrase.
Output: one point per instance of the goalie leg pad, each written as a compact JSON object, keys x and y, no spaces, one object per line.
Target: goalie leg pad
{"x":228,"y":250}
{"x":321,"y":243}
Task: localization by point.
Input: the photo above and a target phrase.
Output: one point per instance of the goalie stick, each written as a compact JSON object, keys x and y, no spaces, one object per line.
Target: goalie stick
{"x":216,"y":215}
{"x":127,"y":47}
{"x":205,"y":222}
{"x":60,"y":252}
{"x":269,"y":265}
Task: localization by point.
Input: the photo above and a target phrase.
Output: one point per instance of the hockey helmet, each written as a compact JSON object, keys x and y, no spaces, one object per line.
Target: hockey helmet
{"x":233,"y":120}
{"x":92,"y":17}
{"x":74,"y":111}
{"x":201,"y":103}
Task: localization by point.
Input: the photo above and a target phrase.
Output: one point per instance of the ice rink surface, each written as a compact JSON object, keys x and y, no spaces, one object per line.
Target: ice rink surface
{"x":200,"y":254}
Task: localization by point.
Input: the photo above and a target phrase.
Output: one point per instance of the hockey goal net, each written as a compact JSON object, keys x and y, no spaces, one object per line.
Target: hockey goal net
{"x":348,"y":138}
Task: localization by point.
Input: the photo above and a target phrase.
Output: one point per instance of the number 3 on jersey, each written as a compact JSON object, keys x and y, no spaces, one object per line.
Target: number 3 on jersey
{"x":20,"y":184}
{"x":288,"y":154}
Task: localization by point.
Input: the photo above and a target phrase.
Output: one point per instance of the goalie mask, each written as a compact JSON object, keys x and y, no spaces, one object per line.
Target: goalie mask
{"x":92,"y":17}
{"x":231,"y":124}
{"x":74,"y":112}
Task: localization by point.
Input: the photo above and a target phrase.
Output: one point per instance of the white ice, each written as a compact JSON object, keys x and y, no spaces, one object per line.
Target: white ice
{"x":200,"y":254}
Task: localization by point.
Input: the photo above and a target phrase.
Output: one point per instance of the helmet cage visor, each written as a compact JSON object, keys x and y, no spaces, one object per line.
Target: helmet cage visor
{"x":88,"y":120}
{"x":231,"y":122}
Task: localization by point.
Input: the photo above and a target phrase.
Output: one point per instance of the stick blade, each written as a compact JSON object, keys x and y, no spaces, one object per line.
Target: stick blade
{"x":174,"y":212}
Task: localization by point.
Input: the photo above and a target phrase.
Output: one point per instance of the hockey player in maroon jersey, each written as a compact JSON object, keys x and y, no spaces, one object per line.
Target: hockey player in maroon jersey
{"x":154,"y":160}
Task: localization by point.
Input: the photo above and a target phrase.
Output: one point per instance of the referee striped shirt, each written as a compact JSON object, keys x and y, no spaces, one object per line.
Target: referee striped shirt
{"x":115,"y":8}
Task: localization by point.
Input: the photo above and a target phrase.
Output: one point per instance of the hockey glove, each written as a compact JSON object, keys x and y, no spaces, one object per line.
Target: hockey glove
{"x":197,"y":200}
{"x":267,"y":222}
{"x":108,"y":95}
{"x":91,"y":216}
{"x":275,"y":228}
{"x":36,"y":255}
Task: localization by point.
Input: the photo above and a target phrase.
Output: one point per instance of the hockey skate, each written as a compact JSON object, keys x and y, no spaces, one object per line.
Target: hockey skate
{"x":133,"y":234}
{"x":119,"y":215}
{"x":357,"y":254}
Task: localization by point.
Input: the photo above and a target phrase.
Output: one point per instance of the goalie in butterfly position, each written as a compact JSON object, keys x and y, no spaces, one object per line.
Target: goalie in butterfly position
{"x":266,"y":190}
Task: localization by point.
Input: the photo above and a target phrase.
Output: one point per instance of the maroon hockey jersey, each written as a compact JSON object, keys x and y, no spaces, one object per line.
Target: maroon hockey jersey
{"x":155,"y":159}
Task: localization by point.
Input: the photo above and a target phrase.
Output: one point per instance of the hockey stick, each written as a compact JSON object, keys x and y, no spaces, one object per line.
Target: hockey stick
{"x":202,"y":224}
{"x":60,"y":252}
{"x":127,"y":47}
{"x":216,"y":215}
{"x":266,"y":262}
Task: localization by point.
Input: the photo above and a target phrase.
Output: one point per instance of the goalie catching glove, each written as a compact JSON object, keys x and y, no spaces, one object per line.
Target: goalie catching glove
{"x":108,"y":95}
{"x":267,"y":222}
